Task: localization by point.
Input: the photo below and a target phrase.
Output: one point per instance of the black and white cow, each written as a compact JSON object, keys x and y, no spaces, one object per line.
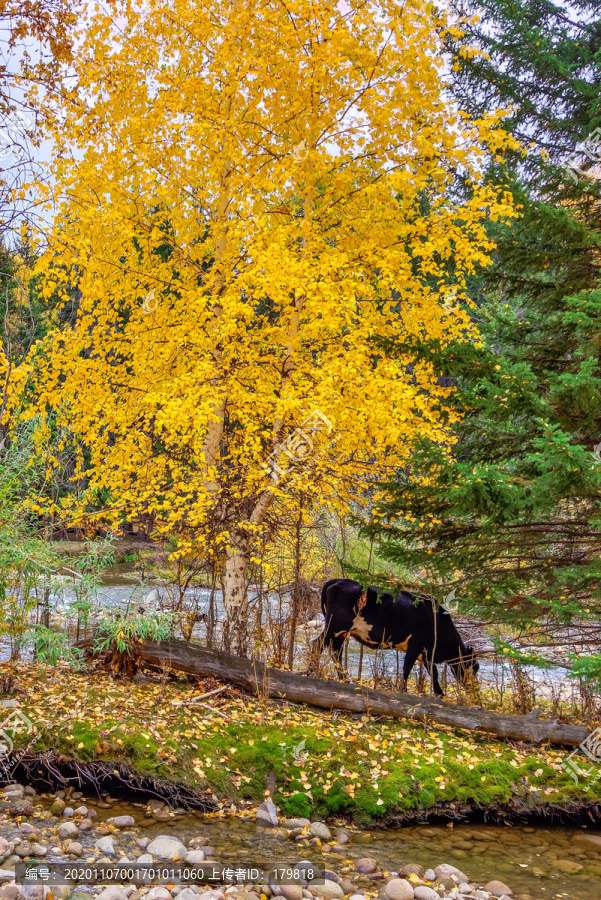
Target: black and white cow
{"x":403,"y":623}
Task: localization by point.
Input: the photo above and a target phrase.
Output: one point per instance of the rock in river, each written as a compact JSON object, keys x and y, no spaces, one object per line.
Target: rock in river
{"x":498,"y":889}
{"x":447,"y":871}
{"x":74,"y":848}
{"x":290,"y":891}
{"x":121,"y":821}
{"x":196,"y":843}
{"x":329,"y":890}
{"x":21,"y":808}
{"x":10,"y":891}
{"x":31,"y":892}
{"x":399,"y":889}
{"x":291,"y":824}
{"x":411,"y":869}
{"x":569,"y":866}
{"x":267,"y":814}
{"x":68,"y":830}
{"x":158,"y":893}
{"x":423,"y":892}
{"x":366,"y":866}
{"x":166,"y":847}
{"x":105,"y":845}
{"x":592,"y":841}
{"x":321,"y":831}
{"x":112,"y":893}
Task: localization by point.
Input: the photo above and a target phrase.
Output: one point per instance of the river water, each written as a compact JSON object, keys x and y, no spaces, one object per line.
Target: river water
{"x":120,"y":591}
{"x":531,"y":860}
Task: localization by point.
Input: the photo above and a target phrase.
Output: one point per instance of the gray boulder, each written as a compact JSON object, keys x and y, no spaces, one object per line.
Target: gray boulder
{"x":399,"y":889}
{"x":423,"y":892}
{"x":112,"y":893}
{"x":9,"y":891}
{"x":447,"y":871}
{"x":67,"y":830}
{"x":21,"y":808}
{"x":121,"y":821}
{"x":106,"y":846}
{"x":498,"y":889}
{"x":329,"y":890}
{"x":31,"y":892}
{"x":366,"y":866}
{"x":267,"y":814}
{"x":166,"y":847}
{"x":74,"y":848}
{"x":158,"y":893}
{"x":290,"y":891}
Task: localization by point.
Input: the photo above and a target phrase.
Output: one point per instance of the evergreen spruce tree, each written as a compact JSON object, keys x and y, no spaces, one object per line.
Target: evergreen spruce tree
{"x":508,"y":513}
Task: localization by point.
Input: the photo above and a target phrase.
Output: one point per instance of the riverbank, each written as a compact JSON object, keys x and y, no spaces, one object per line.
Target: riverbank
{"x":233,"y":748}
{"x":70,"y":832}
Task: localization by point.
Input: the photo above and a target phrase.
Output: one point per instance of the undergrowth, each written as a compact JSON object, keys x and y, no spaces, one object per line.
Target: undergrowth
{"x":323,"y":763}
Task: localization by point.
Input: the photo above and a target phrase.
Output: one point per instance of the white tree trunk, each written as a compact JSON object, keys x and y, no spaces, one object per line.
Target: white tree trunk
{"x":235,"y":600}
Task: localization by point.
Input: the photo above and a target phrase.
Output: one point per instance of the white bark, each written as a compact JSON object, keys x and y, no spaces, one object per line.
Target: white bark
{"x":235,"y":598}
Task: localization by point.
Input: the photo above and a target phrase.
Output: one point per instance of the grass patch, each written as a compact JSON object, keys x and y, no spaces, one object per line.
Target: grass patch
{"x":324,"y":764}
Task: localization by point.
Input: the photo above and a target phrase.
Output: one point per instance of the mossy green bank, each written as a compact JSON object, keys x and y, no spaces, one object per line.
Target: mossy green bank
{"x":364,"y":768}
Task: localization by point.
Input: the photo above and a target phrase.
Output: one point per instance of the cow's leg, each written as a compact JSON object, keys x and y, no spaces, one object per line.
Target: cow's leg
{"x":411,"y":654}
{"x":433,"y":673}
{"x":332,"y":638}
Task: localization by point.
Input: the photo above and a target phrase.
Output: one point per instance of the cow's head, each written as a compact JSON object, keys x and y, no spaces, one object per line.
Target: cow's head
{"x":466,"y":666}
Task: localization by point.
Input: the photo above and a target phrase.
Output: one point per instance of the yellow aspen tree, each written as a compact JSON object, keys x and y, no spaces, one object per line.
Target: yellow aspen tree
{"x":249,"y":198}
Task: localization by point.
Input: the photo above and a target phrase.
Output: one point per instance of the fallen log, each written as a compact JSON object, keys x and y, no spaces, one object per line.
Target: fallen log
{"x":258,"y":678}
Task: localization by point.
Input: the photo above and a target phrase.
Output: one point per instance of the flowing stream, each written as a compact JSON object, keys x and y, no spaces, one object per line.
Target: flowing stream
{"x":530,"y":859}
